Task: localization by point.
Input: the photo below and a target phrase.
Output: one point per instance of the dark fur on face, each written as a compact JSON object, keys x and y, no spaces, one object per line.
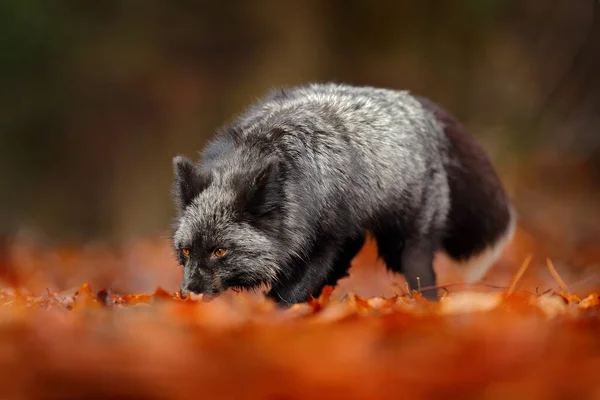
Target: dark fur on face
{"x":292,"y":186}
{"x":232,"y":213}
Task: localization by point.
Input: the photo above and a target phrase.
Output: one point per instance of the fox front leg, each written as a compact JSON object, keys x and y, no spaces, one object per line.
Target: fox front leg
{"x":311,"y":279}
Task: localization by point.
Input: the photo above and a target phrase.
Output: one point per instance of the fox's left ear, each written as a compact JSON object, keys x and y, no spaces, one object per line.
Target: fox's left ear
{"x":188,"y":182}
{"x":262,"y":194}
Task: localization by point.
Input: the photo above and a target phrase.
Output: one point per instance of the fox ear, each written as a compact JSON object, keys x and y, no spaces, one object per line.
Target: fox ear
{"x":188,"y":181}
{"x":262,"y":195}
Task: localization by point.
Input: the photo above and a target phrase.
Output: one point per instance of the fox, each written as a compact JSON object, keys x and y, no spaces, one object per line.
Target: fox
{"x":284,"y":195}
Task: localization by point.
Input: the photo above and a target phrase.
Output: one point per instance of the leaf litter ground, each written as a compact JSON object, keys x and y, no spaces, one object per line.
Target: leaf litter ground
{"x":528,"y":337}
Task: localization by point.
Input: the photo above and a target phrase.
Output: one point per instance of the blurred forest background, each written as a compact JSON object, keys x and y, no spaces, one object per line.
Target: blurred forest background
{"x":96,"y":97}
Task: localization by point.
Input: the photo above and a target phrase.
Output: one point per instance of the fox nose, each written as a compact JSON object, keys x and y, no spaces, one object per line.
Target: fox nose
{"x":188,"y":288}
{"x":183,"y":292}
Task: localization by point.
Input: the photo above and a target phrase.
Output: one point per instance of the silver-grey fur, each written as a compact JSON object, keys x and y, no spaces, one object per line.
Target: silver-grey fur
{"x":292,"y":185}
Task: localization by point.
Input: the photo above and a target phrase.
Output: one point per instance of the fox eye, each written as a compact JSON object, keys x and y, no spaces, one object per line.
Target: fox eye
{"x":219,"y":252}
{"x":185,"y":251}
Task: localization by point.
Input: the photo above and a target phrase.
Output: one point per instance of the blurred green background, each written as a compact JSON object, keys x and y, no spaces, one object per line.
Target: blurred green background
{"x":96,"y":97}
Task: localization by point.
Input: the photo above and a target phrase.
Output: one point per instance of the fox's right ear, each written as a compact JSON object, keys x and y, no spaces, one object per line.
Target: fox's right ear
{"x":188,"y":182}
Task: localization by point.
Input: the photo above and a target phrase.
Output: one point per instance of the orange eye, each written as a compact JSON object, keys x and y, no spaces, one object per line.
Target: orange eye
{"x":220,"y":252}
{"x":186,"y":252}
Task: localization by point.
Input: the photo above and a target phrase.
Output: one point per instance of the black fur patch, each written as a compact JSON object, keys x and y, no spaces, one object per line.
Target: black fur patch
{"x":479,"y":212}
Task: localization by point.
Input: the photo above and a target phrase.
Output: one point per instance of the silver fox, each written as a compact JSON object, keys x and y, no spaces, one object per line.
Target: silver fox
{"x":285,"y":194}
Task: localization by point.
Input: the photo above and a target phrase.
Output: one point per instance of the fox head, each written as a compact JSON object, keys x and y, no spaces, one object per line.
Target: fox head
{"x":227,"y":234}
